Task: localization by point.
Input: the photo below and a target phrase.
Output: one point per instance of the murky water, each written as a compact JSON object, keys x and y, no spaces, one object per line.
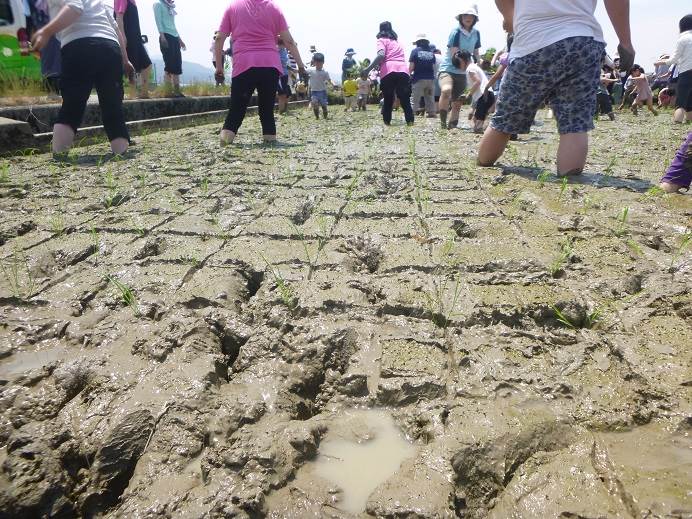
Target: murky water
{"x":28,"y":360}
{"x":359,"y":466}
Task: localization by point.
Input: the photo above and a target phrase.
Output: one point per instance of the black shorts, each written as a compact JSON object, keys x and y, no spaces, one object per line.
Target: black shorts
{"x":684,"y":91}
{"x":172,"y":58}
{"x":283,"y":89}
{"x":483,"y":105}
{"x":93,"y":63}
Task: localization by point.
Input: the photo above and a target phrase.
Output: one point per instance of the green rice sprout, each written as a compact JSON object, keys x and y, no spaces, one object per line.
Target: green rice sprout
{"x":127,"y":296}
{"x":286,"y":292}
{"x":563,"y":188}
{"x":622,"y":221}
{"x":562,"y":318}
{"x":542,"y":178}
{"x":17,"y":273}
{"x":566,"y":251}
{"x":4,"y":173}
{"x":684,"y":244}
{"x":610,"y":168}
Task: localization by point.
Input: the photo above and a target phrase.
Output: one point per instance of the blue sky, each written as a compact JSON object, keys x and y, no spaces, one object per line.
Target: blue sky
{"x":333,"y":26}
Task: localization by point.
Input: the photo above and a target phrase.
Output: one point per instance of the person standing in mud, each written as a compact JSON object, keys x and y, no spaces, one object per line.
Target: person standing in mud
{"x":127,"y":16}
{"x":561,"y":43}
{"x":394,"y":74}
{"x":451,"y":78}
{"x":254,"y":26}
{"x":93,"y":56}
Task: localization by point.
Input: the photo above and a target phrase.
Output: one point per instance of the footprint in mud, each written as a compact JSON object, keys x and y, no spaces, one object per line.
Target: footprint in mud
{"x":360,"y":453}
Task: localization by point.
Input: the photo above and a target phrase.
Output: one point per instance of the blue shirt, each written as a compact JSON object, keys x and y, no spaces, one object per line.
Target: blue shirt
{"x":463,"y":40}
{"x":283,"y":55}
{"x":423,"y":59}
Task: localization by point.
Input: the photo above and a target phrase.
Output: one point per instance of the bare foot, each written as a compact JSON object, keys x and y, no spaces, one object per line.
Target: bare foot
{"x":670,"y":188}
{"x":571,"y":173}
{"x":226,"y":137}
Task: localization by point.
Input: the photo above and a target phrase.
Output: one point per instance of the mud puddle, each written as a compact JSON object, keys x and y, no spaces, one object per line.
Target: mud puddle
{"x":25,"y":361}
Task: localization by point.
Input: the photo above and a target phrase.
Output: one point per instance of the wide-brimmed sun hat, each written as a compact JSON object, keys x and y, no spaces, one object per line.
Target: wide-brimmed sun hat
{"x":472,"y":10}
{"x":350,"y":52}
{"x":421,"y":37}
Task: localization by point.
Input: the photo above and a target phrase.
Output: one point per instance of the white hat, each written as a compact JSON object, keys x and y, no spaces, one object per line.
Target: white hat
{"x":471,"y":9}
{"x":421,"y":36}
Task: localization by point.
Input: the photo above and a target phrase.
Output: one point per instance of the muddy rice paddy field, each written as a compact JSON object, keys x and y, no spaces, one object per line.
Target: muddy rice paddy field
{"x":359,"y":323}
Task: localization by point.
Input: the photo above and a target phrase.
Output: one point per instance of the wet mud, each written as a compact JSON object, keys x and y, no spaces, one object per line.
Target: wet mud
{"x":360,"y":323}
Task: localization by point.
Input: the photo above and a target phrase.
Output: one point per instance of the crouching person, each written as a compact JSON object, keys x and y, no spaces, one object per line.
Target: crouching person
{"x":679,"y":174}
{"x":93,"y":56}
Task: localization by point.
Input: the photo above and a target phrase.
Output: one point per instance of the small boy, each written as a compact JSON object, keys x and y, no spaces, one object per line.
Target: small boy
{"x":557,"y":52}
{"x":364,"y":85}
{"x":350,"y":91}
{"x":319,"y":79}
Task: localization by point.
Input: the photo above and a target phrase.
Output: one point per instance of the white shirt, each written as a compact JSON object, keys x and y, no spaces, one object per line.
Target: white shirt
{"x":540,"y":23}
{"x":477,"y":71}
{"x":95,"y":21}
{"x":683,"y":53}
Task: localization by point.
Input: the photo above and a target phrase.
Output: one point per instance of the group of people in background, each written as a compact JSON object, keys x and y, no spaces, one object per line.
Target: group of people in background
{"x":555,"y":57}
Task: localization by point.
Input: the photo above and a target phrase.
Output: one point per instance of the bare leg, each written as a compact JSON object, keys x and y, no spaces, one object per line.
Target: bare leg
{"x":63,"y":137}
{"x":119,"y":146}
{"x":650,"y":106}
{"x":176,"y":83}
{"x":571,"y":154}
{"x":227,"y":137}
{"x":679,"y":116}
{"x":454,"y":114}
{"x":445,"y":98}
{"x":492,"y":147}
{"x":144,"y":74}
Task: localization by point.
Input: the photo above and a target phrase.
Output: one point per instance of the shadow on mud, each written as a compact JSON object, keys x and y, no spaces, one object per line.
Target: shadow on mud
{"x":598,"y":180}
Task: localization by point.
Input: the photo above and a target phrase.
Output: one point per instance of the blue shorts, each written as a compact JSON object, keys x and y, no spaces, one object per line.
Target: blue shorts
{"x":565,"y":75}
{"x":320,"y":97}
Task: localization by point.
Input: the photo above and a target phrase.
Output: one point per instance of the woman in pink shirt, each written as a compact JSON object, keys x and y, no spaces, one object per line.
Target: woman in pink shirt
{"x":254,"y":26}
{"x":394,"y":75}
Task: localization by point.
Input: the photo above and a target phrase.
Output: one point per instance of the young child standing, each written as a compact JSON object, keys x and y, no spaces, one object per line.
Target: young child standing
{"x":557,"y":53}
{"x":642,"y":89}
{"x":94,"y":55}
{"x":364,"y":85}
{"x":350,"y":92}
{"x":319,"y":80}
{"x":482,"y":98}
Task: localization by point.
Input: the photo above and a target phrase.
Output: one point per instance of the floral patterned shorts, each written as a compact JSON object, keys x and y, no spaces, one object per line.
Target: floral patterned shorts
{"x":565,"y":75}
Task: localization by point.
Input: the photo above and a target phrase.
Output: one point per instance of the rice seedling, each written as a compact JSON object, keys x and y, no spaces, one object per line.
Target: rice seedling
{"x":4,"y":173}
{"x":651,"y":193}
{"x":685,"y":242}
{"x":57,"y":223}
{"x":622,"y":222}
{"x":322,"y":239}
{"x":286,"y":292}
{"x":566,"y":251}
{"x":18,"y":275}
{"x":441,"y":313}
{"x":595,"y":317}
{"x":562,"y":318}
{"x":563,"y":188}
{"x":204,"y":185}
{"x":610,"y":168}
{"x":95,"y":241}
{"x":542,"y":178}
{"x":127,"y":296}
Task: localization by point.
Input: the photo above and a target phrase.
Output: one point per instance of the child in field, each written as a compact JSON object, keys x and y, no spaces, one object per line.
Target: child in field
{"x":350,"y":92}
{"x":94,"y":55}
{"x":482,"y":99}
{"x":319,"y":80}
{"x":363,"y":91}
{"x":642,"y":90}
{"x":556,"y":54}
{"x":679,"y":174}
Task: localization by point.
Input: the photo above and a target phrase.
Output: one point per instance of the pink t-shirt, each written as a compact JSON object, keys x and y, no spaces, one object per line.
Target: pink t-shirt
{"x":119,"y":6}
{"x":254,"y":26}
{"x":394,"y":57}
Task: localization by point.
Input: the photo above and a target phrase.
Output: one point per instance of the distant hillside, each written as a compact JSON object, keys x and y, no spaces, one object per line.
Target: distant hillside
{"x":192,"y":72}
